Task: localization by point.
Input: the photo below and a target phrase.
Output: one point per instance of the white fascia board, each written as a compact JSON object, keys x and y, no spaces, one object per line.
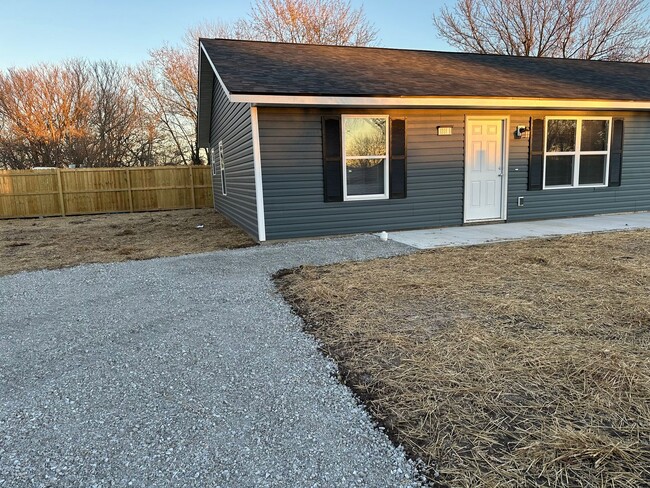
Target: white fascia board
{"x":216,"y":73}
{"x":443,"y":102}
{"x":257,"y":166}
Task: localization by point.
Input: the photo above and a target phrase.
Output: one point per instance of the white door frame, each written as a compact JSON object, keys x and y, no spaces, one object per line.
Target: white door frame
{"x":505,"y":149}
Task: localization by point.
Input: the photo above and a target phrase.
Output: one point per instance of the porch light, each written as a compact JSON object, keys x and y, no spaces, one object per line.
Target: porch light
{"x":445,"y":130}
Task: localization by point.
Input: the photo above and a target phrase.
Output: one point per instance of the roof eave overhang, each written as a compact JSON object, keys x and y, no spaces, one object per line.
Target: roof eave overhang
{"x":204,"y":107}
{"x":214,"y":70}
{"x":440,"y":102}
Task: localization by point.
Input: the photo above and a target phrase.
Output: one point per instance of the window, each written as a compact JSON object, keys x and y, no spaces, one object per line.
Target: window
{"x":577,"y":152}
{"x":222,"y":169}
{"x":365,"y":157}
{"x":213,"y":161}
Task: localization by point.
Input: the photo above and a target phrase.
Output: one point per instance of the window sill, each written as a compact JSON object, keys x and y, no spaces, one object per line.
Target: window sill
{"x":361,"y":198}
{"x":571,"y":187}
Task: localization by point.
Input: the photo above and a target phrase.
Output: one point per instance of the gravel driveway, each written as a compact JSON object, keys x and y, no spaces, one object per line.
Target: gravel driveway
{"x":187,"y":371}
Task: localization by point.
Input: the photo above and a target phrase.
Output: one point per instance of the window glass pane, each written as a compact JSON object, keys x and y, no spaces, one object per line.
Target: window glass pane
{"x":594,"y":135}
{"x":365,"y":136}
{"x":213,"y":162}
{"x":365,"y":176}
{"x":559,"y":170}
{"x":592,"y":170}
{"x":561,"y":135}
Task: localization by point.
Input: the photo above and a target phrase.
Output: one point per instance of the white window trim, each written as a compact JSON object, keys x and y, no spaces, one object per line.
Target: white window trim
{"x":379,"y":196}
{"x":577,"y":153}
{"x":222,"y":169}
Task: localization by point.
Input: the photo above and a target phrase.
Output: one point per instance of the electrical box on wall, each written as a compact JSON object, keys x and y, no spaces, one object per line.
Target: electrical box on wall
{"x":520,"y":201}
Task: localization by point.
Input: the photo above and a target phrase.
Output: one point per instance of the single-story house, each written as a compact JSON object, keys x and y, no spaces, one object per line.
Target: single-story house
{"x":310,"y":140}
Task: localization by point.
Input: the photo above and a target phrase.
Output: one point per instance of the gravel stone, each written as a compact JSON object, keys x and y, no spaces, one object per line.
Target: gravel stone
{"x":185,"y":371}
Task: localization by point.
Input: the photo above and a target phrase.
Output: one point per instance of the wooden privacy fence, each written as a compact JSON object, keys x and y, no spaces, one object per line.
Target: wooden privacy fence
{"x":61,"y":192}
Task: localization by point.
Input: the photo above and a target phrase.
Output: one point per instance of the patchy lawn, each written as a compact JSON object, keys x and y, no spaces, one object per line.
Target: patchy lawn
{"x":56,"y":242}
{"x":518,"y":364}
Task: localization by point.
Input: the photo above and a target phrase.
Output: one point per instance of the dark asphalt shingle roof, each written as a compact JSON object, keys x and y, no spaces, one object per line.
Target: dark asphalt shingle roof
{"x":249,"y":67}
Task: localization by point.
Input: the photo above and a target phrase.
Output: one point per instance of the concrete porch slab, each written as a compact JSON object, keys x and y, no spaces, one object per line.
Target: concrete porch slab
{"x":482,"y":234}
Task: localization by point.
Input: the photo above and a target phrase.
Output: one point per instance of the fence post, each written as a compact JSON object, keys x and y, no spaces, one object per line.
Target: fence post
{"x":192,"y":185}
{"x":128,"y":184}
{"x":61,"y":199}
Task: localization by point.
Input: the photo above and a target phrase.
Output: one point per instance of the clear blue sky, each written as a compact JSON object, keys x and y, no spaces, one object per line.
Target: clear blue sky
{"x":33,"y":31}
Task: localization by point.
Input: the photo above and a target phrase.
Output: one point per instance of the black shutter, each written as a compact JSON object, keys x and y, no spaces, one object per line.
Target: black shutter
{"x":397,"y":174}
{"x":536,"y":156}
{"x":616,"y":154}
{"x":332,"y":164}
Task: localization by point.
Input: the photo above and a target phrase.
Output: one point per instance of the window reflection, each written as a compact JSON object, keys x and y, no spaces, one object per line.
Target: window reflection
{"x":561,"y":135}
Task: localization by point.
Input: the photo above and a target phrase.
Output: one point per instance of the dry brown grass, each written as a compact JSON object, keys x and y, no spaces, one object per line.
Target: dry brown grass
{"x":58,"y":242}
{"x":518,"y":364}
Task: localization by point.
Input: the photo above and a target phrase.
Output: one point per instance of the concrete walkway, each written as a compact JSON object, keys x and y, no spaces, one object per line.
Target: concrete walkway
{"x":483,"y":234}
{"x":188,"y":371}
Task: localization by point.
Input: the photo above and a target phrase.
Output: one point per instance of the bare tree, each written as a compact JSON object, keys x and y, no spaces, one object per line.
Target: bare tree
{"x":46,"y":112}
{"x":169,"y":99}
{"x":215,"y":29}
{"x":115,"y":118}
{"x":308,"y":21}
{"x":168,"y":87}
{"x":86,"y":114}
{"x":616,"y":30}
{"x":167,"y":80}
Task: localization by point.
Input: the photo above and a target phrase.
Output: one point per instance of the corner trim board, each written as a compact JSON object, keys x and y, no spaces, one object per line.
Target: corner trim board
{"x":257,"y":164}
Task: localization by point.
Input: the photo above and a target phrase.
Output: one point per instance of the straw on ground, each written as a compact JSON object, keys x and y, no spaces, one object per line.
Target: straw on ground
{"x":519,"y":364}
{"x":57,"y":242}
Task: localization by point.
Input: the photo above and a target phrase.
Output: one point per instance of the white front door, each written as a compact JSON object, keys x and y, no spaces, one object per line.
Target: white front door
{"x":484,"y":169}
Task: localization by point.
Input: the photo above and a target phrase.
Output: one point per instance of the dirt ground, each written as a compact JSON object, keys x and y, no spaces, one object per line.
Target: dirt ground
{"x":518,"y":364}
{"x":56,"y":242}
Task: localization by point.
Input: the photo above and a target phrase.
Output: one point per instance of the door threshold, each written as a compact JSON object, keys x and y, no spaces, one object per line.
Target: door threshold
{"x":484,"y":222}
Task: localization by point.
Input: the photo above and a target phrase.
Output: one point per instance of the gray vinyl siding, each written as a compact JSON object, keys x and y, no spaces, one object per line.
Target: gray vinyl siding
{"x":292,"y":173}
{"x":633,"y":194}
{"x":231,"y":123}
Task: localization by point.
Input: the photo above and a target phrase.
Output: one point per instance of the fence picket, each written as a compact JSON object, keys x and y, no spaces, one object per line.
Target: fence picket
{"x":61,"y":199}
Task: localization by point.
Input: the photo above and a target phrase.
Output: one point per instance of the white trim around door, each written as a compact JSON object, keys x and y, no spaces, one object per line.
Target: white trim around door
{"x":486,"y":171}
